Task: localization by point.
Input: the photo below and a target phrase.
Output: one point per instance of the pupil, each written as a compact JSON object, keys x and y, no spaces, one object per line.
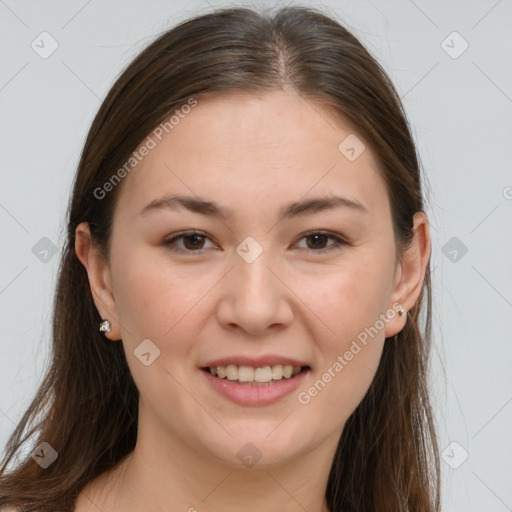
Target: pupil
{"x":317,"y":237}
{"x":195,"y":238}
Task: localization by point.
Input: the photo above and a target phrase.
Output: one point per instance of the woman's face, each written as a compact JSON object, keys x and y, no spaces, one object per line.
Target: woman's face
{"x":254,"y":288}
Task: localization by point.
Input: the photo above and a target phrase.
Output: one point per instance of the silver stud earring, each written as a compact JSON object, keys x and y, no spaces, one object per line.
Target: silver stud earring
{"x":105,"y":326}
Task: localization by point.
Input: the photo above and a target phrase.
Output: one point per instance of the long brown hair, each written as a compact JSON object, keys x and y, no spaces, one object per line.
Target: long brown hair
{"x":87,"y":405}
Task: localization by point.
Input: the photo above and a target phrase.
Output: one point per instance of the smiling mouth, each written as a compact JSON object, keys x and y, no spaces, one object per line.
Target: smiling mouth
{"x":262,"y":376}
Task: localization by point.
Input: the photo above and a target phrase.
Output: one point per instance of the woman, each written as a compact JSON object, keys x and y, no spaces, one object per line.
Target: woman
{"x":236,"y":321}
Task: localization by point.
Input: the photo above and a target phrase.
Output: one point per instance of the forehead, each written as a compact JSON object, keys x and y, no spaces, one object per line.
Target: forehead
{"x":248,"y":150}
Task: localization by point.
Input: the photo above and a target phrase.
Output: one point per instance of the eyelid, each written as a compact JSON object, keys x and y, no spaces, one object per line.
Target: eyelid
{"x":184,"y":234}
{"x":339,"y":241}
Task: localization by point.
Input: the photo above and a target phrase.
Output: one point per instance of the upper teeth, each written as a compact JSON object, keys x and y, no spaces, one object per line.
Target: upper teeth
{"x":250,"y":374}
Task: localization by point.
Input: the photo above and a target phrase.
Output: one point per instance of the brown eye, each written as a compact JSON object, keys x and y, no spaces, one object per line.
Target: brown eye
{"x":191,"y":243}
{"x":317,"y":242}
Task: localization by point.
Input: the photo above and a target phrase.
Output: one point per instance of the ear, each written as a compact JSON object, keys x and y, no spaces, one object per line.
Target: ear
{"x":410,"y":273}
{"x":100,"y":279}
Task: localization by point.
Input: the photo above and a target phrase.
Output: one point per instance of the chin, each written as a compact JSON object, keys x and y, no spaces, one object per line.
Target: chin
{"x":261,"y":447}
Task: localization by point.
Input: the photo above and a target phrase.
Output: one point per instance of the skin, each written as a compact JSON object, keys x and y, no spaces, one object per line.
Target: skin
{"x":251,"y":154}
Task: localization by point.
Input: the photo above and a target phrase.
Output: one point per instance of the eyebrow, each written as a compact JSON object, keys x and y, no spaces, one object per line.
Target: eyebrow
{"x":212,"y":209}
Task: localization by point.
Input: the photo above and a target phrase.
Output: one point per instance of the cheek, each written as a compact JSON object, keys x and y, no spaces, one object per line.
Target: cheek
{"x":350,"y":338}
{"x":152,"y":298}
{"x":347,"y":300}
{"x":158,"y":303}
{"x":350,"y":349}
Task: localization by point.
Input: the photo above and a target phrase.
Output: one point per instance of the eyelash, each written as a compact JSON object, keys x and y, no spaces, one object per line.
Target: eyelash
{"x":338,"y":242}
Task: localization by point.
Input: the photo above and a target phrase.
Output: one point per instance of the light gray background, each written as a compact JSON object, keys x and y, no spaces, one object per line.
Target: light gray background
{"x":461,"y":113}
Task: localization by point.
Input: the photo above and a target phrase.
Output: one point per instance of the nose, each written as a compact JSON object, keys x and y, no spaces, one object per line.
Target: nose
{"x":255,"y":298}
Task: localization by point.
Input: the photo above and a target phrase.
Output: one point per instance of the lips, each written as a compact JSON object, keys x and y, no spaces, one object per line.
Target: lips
{"x":255,"y":394}
{"x":255,"y":381}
